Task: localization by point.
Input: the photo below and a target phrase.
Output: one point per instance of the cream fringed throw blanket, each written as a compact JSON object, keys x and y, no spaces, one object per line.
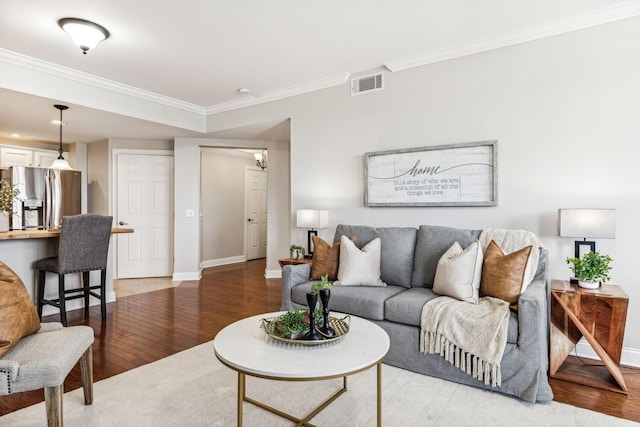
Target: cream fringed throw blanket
{"x":472,"y":337}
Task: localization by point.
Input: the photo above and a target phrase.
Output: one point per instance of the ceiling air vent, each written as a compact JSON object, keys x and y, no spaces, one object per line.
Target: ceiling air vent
{"x":366,"y":84}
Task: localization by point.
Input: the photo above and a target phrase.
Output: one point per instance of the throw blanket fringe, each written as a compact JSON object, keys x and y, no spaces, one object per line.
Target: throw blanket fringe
{"x":486,"y":333}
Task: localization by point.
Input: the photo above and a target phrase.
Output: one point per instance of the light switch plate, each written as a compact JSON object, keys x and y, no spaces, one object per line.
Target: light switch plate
{"x":190,"y":213}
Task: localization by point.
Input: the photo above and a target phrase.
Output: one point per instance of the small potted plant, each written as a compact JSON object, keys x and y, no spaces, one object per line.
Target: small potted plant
{"x":8,"y":194}
{"x":591,"y":269}
{"x":323,"y":289}
{"x":324,"y":283}
{"x":296,"y":252}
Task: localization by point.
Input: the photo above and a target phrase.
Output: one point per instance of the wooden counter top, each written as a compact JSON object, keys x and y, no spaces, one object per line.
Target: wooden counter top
{"x":46,"y":234}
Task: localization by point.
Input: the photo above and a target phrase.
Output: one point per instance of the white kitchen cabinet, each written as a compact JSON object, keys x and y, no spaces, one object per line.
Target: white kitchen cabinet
{"x":15,"y":156}
{"x":44,"y":158}
{"x":22,"y":156}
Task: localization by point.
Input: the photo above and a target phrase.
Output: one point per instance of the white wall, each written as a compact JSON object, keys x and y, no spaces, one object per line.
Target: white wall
{"x":564,"y":110}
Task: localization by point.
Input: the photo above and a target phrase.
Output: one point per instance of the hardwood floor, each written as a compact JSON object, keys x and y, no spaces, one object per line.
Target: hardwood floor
{"x":146,"y":327}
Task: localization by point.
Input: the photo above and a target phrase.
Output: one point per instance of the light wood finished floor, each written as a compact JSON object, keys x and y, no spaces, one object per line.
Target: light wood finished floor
{"x":128,"y":287}
{"x":146,"y":327}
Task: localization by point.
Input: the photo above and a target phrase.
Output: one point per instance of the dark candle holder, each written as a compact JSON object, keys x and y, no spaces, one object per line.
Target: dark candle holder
{"x":326,"y":328}
{"x":312,"y":334}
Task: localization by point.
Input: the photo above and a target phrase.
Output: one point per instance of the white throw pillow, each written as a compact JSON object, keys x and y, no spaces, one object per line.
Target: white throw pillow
{"x":459,"y":272}
{"x":359,"y":267}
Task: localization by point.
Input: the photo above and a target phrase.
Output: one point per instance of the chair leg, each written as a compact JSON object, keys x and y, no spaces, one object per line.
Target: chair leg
{"x":42,"y":276}
{"x":61,"y":296}
{"x":53,"y":402}
{"x":103,"y":293}
{"x":86,"y":367}
{"x":85,"y":286}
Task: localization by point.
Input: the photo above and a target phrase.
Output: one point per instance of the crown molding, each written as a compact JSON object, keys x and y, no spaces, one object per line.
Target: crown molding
{"x":299,"y":89}
{"x":559,"y":26}
{"x":95,"y":81}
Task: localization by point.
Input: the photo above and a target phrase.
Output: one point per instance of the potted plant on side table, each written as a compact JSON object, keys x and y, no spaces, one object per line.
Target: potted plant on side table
{"x":296,"y":252}
{"x":591,"y":269}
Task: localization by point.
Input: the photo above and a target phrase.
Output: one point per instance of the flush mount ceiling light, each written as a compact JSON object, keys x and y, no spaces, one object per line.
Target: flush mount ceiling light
{"x":85,"y":34}
{"x":60,"y":162}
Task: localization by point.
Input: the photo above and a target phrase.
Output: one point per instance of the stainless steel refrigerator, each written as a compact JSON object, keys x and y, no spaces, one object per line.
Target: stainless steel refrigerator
{"x":46,"y":195}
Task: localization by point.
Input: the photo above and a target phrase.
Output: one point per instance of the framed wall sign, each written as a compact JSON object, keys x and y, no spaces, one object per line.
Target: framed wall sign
{"x":443,"y":175}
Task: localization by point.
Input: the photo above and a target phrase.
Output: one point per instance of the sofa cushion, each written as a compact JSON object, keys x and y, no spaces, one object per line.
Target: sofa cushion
{"x":359,"y":267}
{"x":18,"y":316}
{"x":397,"y":249}
{"x":406,"y":306}
{"x":326,"y":259}
{"x":503,"y":274}
{"x":459,"y":272}
{"x":363,"y":301}
{"x":433,"y":241}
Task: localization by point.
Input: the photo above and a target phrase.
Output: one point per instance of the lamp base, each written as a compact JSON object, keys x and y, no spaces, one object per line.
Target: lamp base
{"x":309,"y":251}
{"x":578,"y":243}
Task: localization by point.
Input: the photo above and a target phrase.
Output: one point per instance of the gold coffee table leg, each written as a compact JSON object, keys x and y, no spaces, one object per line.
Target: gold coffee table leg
{"x":241,"y":395}
{"x":379,"y":371}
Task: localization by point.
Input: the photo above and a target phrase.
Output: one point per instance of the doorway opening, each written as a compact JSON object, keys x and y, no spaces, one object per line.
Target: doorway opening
{"x":233,"y":206}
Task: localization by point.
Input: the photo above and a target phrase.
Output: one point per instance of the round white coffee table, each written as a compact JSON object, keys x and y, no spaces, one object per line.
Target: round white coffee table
{"x":244,"y":347}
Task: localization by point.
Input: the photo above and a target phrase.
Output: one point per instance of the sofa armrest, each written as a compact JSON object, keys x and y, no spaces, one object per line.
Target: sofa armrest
{"x":533,"y":321}
{"x":292,"y":275}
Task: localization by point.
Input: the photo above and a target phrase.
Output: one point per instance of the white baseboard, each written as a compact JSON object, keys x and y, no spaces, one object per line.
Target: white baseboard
{"x":273,"y":274}
{"x":222,"y":261}
{"x":630,"y":356}
{"x":186,"y":275}
{"x":77,"y":304}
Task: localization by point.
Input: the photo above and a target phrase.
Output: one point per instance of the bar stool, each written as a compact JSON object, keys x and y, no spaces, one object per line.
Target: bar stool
{"x":83,"y":247}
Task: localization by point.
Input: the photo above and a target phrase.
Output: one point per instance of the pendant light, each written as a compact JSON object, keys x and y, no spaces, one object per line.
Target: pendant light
{"x":60,"y":162}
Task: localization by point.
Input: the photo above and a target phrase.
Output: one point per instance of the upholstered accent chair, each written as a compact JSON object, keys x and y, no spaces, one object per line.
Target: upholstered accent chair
{"x":44,"y":359}
{"x":36,"y":355}
{"x":83,"y":247}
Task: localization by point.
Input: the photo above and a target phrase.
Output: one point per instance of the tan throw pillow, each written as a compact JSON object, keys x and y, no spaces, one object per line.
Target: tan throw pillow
{"x":359,"y":267}
{"x":503,"y":274}
{"x":18,"y":316}
{"x":326,"y":259}
{"x":459,"y":272}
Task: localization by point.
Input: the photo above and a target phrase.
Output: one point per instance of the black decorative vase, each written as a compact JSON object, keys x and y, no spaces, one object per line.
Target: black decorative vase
{"x":312,"y":334}
{"x":326,"y":328}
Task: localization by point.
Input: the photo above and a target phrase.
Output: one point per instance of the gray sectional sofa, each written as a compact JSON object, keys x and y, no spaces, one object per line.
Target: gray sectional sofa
{"x":408,"y":264}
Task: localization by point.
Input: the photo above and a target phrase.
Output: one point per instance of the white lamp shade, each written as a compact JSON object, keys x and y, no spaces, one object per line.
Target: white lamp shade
{"x":312,"y":218}
{"x":61,"y":164}
{"x":593,"y":223}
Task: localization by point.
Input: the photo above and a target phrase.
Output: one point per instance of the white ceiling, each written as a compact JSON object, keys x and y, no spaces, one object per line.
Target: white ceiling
{"x":182,"y":61}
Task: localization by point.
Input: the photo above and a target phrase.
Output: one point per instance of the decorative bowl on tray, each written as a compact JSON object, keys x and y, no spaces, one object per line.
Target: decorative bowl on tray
{"x":339,"y":325}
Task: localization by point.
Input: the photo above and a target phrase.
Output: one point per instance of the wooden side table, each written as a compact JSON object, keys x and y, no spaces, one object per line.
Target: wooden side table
{"x":291,"y":261}
{"x":600,"y":316}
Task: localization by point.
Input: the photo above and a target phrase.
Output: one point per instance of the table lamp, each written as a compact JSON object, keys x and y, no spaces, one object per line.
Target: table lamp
{"x":591,"y":223}
{"x":312,"y":219}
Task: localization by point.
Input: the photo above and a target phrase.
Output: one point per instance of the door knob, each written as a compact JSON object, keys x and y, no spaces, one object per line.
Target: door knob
{"x":123,"y":223}
{"x":249,"y":219}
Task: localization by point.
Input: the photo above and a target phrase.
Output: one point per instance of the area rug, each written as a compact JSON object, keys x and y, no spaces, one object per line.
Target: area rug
{"x":192,"y":388}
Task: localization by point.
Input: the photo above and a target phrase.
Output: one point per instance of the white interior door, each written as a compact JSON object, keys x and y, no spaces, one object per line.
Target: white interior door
{"x":256,"y":213}
{"x":145,"y":203}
